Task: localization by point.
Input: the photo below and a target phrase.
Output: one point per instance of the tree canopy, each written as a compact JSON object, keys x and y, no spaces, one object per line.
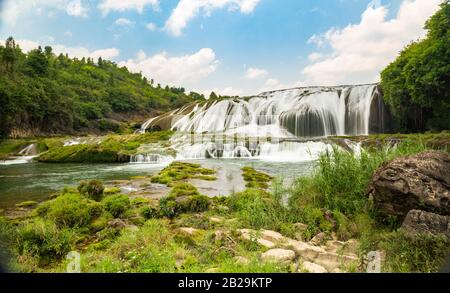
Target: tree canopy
{"x":417,"y":84}
{"x":42,"y":93}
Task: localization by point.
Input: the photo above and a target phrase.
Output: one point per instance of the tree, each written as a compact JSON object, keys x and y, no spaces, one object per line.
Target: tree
{"x":213,"y":96}
{"x":37,"y":62}
{"x":9,"y":56}
{"x":417,"y":84}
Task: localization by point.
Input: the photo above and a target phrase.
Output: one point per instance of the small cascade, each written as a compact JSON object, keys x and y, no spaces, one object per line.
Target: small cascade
{"x":30,"y":150}
{"x":265,"y":151}
{"x":150,"y":159}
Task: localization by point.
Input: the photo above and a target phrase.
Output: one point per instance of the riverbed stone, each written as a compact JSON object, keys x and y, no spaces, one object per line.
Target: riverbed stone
{"x":332,"y":261}
{"x":311,"y":267}
{"x":304,"y":250}
{"x":279,"y":255}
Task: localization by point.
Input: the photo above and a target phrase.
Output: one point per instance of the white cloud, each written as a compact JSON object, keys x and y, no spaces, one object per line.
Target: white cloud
{"x":186,"y":10}
{"x":226,"y":91}
{"x":12,"y":10}
{"x":124,"y":22}
{"x":75,"y":8}
{"x":79,"y":52}
{"x":272,"y":84}
{"x":360,"y":51}
{"x":107,"y":6}
{"x":315,"y":56}
{"x":255,"y":73}
{"x":151,"y":26}
{"x":172,"y":70}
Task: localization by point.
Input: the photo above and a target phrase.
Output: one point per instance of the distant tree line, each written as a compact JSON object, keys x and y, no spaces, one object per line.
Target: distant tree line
{"x":57,"y":94}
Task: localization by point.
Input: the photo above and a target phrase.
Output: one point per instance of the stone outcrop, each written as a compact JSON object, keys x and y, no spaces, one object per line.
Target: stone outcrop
{"x":310,"y":256}
{"x":418,"y":182}
{"x":278,"y":255}
{"x":423,"y":222}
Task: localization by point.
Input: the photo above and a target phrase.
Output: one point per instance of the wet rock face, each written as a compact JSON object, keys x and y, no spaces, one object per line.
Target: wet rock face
{"x":418,"y":182}
{"x":423,"y":222}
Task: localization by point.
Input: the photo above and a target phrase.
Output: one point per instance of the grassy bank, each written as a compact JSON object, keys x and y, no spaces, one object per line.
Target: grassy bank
{"x":102,"y":149}
{"x":188,"y":232}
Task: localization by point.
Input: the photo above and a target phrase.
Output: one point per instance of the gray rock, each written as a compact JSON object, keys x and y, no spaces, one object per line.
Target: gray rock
{"x":279,"y":255}
{"x":418,"y":182}
{"x":423,"y":222}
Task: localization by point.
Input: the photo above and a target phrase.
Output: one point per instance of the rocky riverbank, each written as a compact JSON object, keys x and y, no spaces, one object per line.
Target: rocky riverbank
{"x":327,"y":222}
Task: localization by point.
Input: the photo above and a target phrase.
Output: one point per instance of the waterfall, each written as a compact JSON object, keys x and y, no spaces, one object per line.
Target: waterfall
{"x":301,"y":112}
{"x":30,"y":150}
{"x":285,"y":125}
{"x":150,"y":159}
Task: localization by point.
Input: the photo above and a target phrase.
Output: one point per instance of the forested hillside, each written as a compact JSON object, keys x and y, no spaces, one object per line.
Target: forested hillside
{"x":41,"y":93}
{"x":417,"y":84}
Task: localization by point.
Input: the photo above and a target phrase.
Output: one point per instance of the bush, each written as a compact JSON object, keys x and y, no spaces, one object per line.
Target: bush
{"x":183,"y":198}
{"x":42,"y":239}
{"x":117,"y":204}
{"x":149,"y":212}
{"x":70,"y":210}
{"x":420,"y":253}
{"x":196,"y":204}
{"x":183,"y":189}
{"x":93,"y":189}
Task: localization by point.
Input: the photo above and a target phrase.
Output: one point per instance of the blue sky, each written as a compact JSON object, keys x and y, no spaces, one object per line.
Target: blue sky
{"x":229,"y":46}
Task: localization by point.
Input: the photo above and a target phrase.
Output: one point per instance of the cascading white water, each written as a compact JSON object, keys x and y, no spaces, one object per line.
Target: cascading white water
{"x":301,"y":112}
{"x":151,"y":159}
{"x":290,"y":114}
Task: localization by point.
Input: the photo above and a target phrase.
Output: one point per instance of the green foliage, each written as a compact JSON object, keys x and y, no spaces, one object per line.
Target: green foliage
{"x":183,"y":198}
{"x":178,"y":171}
{"x":27,"y":204}
{"x":416,"y":85}
{"x":57,"y":94}
{"x":70,"y":210}
{"x":42,"y":239}
{"x":85,"y":153}
{"x":406,"y":253}
{"x":117,"y":204}
{"x":93,"y":189}
{"x":255,"y":179}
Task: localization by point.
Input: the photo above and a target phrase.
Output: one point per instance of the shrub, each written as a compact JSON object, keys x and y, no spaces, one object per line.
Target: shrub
{"x":183,"y":189}
{"x":93,"y":189}
{"x":149,"y":212}
{"x":196,"y":204}
{"x":117,"y":204}
{"x":419,"y":253}
{"x":70,"y":210}
{"x":41,"y":238}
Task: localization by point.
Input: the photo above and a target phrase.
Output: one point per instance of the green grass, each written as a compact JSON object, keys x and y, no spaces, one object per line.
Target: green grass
{"x":255,"y":179}
{"x":180,"y":171}
{"x":332,"y":200}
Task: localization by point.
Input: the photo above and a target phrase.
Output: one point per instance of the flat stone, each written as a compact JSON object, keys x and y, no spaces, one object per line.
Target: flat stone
{"x":313,"y":268}
{"x":216,"y":220}
{"x":332,"y":261}
{"x":272,"y":236}
{"x":188,"y":230}
{"x":279,"y":255}
{"x":319,"y":238}
{"x":253,"y":235}
{"x":304,"y":250}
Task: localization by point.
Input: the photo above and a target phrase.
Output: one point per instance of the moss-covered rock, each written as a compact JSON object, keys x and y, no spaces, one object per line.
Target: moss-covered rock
{"x":178,"y":171}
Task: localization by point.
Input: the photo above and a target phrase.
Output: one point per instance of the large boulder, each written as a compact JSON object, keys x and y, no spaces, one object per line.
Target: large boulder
{"x":423,"y":222}
{"x":420,"y":182}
